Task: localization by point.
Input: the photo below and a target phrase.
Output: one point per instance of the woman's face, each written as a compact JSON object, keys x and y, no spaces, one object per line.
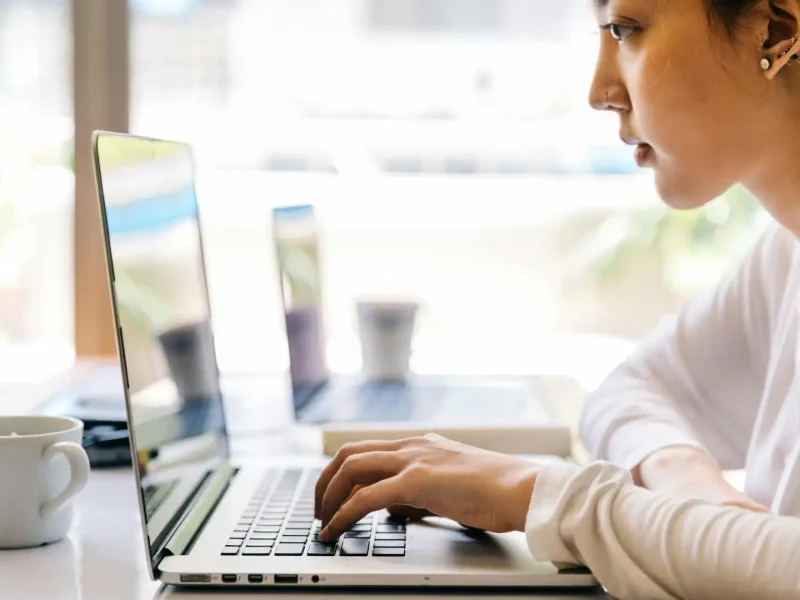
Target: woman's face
{"x":690,"y":98}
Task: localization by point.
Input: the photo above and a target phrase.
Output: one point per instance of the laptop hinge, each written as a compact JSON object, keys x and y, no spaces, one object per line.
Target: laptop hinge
{"x":207,"y":499}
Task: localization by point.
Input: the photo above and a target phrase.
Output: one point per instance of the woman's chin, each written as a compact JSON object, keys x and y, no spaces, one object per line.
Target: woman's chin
{"x":676,"y":194}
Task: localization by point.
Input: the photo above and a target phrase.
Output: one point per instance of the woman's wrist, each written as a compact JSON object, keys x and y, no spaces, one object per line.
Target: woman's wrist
{"x":516,"y":493}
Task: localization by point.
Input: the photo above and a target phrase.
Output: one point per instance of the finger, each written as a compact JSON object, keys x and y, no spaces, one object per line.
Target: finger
{"x":358,"y":470}
{"x":343,"y":454}
{"x":385,"y":493}
{"x":409,"y":512}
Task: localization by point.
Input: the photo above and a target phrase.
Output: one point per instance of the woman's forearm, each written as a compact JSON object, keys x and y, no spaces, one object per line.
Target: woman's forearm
{"x":644,"y":545}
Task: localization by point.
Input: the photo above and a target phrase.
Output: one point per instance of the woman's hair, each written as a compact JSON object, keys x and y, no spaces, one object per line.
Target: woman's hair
{"x":729,"y":13}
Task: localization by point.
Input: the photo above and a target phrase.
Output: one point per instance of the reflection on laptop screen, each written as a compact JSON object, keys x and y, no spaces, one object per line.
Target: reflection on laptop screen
{"x":151,"y":219}
{"x":297,"y":251}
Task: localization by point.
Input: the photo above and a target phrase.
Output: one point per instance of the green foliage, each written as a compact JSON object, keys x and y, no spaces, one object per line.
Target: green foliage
{"x":688,"y":247}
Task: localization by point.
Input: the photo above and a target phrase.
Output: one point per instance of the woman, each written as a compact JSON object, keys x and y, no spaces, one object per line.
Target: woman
{"x":707,"y":92}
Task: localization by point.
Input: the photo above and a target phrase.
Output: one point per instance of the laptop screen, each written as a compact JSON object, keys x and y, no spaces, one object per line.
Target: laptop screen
{"x":161,"y":301}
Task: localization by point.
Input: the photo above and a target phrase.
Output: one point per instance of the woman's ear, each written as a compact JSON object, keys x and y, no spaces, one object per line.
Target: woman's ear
{"x":778,"y":24}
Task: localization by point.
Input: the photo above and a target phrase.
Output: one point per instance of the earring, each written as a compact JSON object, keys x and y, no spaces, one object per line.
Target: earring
{"x":792,"y":42}
{"x":765,"y":64}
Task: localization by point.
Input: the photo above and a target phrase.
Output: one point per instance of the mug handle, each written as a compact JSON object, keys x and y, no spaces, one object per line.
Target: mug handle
{"x":78,"y":473}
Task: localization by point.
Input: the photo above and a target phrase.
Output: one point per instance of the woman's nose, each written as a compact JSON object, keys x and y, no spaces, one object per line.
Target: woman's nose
{"x":610,"y":98}
{"x":608,"y":92}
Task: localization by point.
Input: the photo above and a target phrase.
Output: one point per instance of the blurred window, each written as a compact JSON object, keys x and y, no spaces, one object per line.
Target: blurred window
{"x":36,"y":189}
{"x":451,"y":155}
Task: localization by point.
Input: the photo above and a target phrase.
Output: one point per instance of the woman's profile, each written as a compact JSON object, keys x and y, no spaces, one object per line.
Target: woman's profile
{"x":707,"y":93}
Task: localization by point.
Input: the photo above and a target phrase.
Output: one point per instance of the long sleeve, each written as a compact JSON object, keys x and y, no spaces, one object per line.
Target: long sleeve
{"x":697,"y":380}
{"x":643,"y":545}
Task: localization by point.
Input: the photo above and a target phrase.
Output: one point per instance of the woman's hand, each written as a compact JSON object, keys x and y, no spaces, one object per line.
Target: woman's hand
{"x":685,"y":472}
{"x":430,"y":475}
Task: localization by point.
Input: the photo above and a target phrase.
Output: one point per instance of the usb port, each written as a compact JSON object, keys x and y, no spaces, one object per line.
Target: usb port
{"x":229,"y":578}
{"x":255,"y":578}
{"x":195,"y":578}
{"x":286,"y":578}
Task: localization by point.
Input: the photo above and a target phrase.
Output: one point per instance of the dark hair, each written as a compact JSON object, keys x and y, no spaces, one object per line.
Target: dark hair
{"x":729,"y":13}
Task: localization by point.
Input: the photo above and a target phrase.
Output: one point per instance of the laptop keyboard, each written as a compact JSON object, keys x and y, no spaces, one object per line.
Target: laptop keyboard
{"x":282,"y":523}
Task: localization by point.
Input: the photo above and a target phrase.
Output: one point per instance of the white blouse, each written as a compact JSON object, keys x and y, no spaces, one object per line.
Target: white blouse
{"x":720,"y":376}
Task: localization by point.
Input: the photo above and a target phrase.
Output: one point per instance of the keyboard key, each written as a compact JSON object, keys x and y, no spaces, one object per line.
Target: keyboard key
{"x":260,"y":544}
{"x":289,"y":550}
{"x":269,"y":523}
{"x":294,"y":539}
{"x":300,"y":521}
{"x":238,"y":535}
{"x":390,"y":536}
{"x":233,"y":542}
{"x":366,"y":527}
{"x":267,"y":529}
{"x":357,"y":534}
{"x":388,"y":552}
{"x":257,"y":551}
{"x":355,"y":547}
{"x":390,"y":544}
{"x":230,"y":551}
{"x":392,"y":520}
{"x":241,"y":529}
{"x":264,"y":536}
{"x":388,"y":528}
{"x":319,"y":549}
{"x":295,"y":531}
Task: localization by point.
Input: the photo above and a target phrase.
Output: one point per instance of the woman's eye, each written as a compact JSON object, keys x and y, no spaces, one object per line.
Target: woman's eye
{"x":620,"y":32}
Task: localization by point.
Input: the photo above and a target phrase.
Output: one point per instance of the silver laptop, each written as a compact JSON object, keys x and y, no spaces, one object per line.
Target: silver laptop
{"x":321,"y":397}
{"x":207,"y":521}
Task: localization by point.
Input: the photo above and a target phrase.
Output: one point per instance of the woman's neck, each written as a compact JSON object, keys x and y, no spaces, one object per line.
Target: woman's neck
{"x":774,"y":177}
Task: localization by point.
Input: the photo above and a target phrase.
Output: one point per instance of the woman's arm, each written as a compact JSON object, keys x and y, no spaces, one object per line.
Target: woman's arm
{"x":640,"y":544}
{"x":696,"y":383}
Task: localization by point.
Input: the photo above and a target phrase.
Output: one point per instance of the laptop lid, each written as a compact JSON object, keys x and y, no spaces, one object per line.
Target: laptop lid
{"x":155,"y":266}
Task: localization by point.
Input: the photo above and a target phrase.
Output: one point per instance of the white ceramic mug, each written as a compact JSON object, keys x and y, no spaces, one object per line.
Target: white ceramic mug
{"x":387,"y":330}
{"x":42,"y":467}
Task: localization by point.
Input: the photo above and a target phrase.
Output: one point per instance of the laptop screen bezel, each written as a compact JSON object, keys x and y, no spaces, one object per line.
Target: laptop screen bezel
{"x":155,"y":552}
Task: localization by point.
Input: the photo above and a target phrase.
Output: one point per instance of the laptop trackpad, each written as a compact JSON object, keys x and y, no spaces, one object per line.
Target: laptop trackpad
{"x":445,"y":543}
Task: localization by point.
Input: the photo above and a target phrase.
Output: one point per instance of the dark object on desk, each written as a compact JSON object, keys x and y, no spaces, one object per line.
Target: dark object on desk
{"x":107,"y":446}
{"x":98,"y":400}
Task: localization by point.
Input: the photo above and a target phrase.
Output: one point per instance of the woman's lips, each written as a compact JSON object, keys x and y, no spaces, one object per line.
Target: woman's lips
{"x":643,"y":154}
